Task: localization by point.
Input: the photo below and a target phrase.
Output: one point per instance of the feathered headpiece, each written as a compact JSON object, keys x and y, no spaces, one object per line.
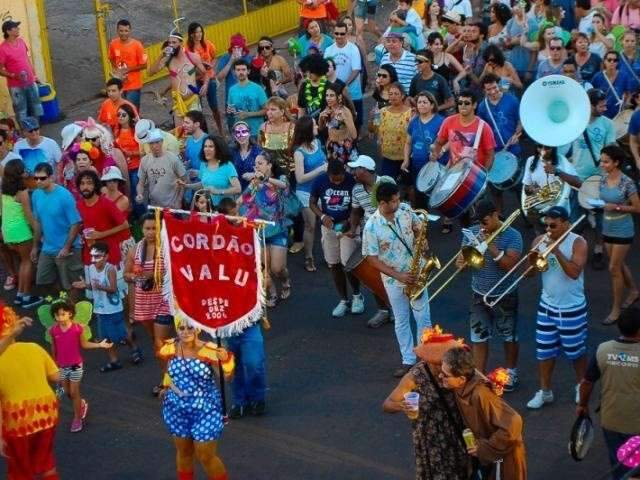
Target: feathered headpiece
{"x":175,"y":31}
{"x":92,"y":129}
{"x":8,"y":319}
{"x":435,"y":343}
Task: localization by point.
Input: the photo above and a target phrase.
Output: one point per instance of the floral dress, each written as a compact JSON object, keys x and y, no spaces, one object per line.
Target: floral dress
{"x":265,"y":201}
{"x":439,"y":450}
{"x":192,"y":407}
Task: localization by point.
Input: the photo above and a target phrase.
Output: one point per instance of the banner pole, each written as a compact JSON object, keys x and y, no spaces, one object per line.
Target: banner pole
{"x":223,"y":394}
{"x":257,"y":221}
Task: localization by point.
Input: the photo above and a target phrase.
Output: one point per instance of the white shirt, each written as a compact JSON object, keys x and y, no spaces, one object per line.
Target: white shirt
{"x":10,"y":156}
{"x":347,"y":59}
{"x":558,"y":289}
{"x":463,"y":7}
{"x":539,"y":178}
{"x":46,"y":151}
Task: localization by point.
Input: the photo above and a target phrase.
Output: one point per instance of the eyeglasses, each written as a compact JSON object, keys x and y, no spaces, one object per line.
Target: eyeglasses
{"x":555,"y":48}
{"x":382,"y":75}
{"x":612,"y":60}
{"x":38,"y":178}
{"x":339,"y":34}
{"x":182,"y":328}
{"x":443,"y":374}
{"x":464,"y":102}
{"x":551,"y":226}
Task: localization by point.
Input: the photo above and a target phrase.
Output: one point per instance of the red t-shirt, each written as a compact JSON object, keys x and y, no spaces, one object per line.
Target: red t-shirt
{"x":462,"y":138}
{"x":102,"y":216}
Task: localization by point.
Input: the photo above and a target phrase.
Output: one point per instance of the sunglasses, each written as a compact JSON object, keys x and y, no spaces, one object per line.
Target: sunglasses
{"x":38,"y":178}
{"x":241,"y":132}
{"x":182,"y":328}
{"x":339,"y":34}
{"x":491,"y":60}
{"x":33,"y":130}
{"x":96,"y":255}
{"x":92,"y":139}
{"x":551,"y":226}
{"x":122,"y":115}
{"x":265,"y":47}
{"x":382,"y":75}
{"x":555,"y":48}
{"x":612,"y":60}
{"x":420,"y":62}
{"x":464,"y":102}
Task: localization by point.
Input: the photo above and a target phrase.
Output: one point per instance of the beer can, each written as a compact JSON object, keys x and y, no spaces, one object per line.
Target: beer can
{"x":469,"y":438}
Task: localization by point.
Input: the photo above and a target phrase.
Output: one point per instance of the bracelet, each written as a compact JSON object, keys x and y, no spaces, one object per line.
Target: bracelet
{"x":500,"y":255}
{"x":322,"y":217}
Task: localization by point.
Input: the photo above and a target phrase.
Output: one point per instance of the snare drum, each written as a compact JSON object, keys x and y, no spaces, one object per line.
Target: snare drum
{"x":506,"y":171}
{"x":367,"y":274}
{"x":428,"y":176}
{"x":458,"y":189}
{"x":590,"y":190}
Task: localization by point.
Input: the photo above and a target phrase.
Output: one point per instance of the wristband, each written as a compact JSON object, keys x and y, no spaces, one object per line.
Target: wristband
{"x":322,"y":218}
{"x":500,"y":255}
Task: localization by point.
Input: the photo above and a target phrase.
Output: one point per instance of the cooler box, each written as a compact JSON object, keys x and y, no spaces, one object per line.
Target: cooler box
{"x":50,"y":103}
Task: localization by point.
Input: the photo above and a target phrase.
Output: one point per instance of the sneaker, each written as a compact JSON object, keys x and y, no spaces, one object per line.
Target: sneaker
{"x":357,"y":304}
{"x":577,"y":394}
{"x":258,"y":408}
{"x":76,"y":426}
{"x":597,"y":261}
{"x":31,"y":302}
{"x":18,"y":301}
{"x":84,"y":408}
{"x":540,"y":398}
{"x":237,"y":411}
{"x":513,"y":382}
{"x":402,"y":371}
{"x":9,"y":283}
{"x":380,"y":318}
{"x":341,"y":309}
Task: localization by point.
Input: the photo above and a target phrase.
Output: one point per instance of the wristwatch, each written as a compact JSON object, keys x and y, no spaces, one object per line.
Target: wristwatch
{"x":500,"y":255}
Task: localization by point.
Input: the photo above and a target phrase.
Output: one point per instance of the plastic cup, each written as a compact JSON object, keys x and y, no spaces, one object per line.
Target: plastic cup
{"x":412,"y":399}
{"x":86,"y":232}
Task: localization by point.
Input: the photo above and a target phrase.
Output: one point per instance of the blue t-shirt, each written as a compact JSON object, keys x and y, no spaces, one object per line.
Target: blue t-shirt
{"x":220,"y":178}
{"x":335,"y":200}
{"x":545,"y":68}
{"x":192,"y":150}
{"x":634,"y":123}
{"x":249,"y":97}
{"x":230,"y":80}
{"x":311,"y":161}
{"x":631,"y":68}
{"x":57,"y":212}
{"x":422,"y":136}
{"x":506,"y":114}
{"x":621,"y":84}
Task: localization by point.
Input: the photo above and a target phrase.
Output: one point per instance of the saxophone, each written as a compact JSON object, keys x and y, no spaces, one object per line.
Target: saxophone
{"x":421,"y":270}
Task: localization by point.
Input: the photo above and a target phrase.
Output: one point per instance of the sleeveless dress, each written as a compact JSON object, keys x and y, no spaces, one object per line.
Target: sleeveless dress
{"x":148,"y":303}
{"x":439,"y":450}
{"x":15,"y":227}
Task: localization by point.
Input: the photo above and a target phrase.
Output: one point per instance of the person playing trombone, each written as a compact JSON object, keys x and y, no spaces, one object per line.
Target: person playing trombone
{"x":562,"y":311}
{"x":499,"y":257}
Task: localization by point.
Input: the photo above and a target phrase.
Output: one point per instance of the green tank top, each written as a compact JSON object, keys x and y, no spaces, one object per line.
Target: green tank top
{"x":15,"y":227}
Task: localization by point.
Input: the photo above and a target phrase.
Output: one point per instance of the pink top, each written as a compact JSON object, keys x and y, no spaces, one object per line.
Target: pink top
{"x":67,"y":345}
{"x":628,"y":17}
{"x":15,"y":58}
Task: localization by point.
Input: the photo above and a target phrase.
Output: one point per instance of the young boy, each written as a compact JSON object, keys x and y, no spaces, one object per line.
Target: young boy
{"x":66,"y":340}
{"x":107,"y":302}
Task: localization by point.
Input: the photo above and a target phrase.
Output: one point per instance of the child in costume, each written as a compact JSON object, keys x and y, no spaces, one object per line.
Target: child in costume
{"x":107,"y":302}
{"x":192,"y":406}
{"x":67,"y":336}
{"x":29,"y":407}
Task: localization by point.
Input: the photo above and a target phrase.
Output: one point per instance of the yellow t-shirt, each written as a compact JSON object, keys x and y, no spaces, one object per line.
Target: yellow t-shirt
{"x":419,"y":6}
{"x":27,"y":400}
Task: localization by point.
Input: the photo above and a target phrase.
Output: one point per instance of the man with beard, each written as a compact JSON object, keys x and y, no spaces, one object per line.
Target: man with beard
{"x":182,"y":66}
{"x":101,"y":219}
{"x":246,"y":99}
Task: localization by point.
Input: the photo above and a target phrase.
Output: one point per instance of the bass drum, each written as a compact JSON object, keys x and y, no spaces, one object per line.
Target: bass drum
{"x":429,"y":175}
{"x":458,"y":189}
{"x":367,"y":274}
{"x":506,"y":171}
{"x":590,"y":190}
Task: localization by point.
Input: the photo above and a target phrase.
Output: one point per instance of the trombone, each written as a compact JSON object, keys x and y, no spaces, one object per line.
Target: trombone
{"x":473,"y":256}
{"x":537,"y":258}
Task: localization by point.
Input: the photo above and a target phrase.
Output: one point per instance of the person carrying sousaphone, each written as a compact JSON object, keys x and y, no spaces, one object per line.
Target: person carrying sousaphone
{"x":484,"y":321}
{"x":469,"y":137}
{"x":389,"y":244}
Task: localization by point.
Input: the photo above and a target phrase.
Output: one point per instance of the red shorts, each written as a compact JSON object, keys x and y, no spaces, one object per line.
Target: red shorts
{"x":31,"y":455}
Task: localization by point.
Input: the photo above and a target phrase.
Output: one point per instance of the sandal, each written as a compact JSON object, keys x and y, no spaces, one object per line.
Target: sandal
{"x":446,"y":228}
{"x":136,"y":356}
{"x":296,"y":247}
{"x":286,"y":290}
{"x":309,"y":266}
{"x":157,"y":390}
{"x":630,"y":301}
{"x":271,"y":300}
{"x":110,"y":367}
{"x":609,"y":321}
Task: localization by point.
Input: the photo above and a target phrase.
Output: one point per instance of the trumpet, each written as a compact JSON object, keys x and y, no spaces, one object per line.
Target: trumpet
{"x":473,"y":256}
{"x":537,"y":258}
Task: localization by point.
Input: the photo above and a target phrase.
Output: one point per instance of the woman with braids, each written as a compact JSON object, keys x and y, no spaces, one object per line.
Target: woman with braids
{"x":620,"y":195}
{"x":151,"y":308}
{"x":192,"y":405}
{"x":497,"y":428}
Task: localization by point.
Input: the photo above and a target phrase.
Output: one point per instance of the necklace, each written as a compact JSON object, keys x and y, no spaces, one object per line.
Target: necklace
{"x":313,"y":102}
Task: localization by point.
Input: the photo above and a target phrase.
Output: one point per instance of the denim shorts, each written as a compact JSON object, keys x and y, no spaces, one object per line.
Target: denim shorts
{"x":111,"y":326}
{"x":484,"y":321}
{"x":364,"y":8}
{"x":164,"y":320}
{"x":278,"y":240}
{"x":26,"y":101}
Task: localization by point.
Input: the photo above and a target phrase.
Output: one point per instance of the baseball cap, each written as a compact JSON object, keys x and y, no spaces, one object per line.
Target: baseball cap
{"x":484,"y":208}
{"x":557,"y":212}
{"x":8,"y":25}
{"x":29,"y":123}
{"x":363,"y":161}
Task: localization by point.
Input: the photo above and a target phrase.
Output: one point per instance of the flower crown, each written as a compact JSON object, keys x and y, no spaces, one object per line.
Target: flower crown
{"x":436,"y":335}
{"x":8,"y":318}
{"x":499,"y":378}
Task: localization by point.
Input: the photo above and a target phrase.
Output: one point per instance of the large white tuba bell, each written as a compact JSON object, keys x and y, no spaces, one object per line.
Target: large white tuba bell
{"x":555,"y":110}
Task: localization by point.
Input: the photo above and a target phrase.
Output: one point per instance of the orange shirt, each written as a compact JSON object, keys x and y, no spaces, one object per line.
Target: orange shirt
{"x":130,"y":54}
{"x":318,"y":11}
{"x":207,"y":55}
{"x":125,"y":141}
{"x":108,"y":112}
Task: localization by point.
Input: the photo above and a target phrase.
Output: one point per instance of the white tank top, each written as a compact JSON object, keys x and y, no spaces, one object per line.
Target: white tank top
{"x":558,"y":289}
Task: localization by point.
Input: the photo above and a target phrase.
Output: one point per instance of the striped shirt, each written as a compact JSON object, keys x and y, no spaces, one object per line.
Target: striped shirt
{"x":360,"y":198}
{"x":405,"y":67}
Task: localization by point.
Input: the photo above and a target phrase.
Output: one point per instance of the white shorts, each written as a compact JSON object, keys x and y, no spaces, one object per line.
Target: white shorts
{"x":337,"y":248}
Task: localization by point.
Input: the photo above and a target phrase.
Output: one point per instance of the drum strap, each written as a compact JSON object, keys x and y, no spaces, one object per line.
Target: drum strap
{"x":615,"y":94}
{"x":493,"y":121}
{"x":587,"y":140}
{"x":626,"y":62}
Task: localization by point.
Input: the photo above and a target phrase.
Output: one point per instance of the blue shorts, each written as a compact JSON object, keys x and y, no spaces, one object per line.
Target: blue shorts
{"x":111,"y":326}
{"x":278,"y":240}
{"x":564,"y":328}
{"x":364,"y":8}
{"x":133,"y":96}
{"x":165,"y":320}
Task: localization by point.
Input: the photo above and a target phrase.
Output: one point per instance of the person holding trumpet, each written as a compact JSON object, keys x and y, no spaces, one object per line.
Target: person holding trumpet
{"x":562,"y":312}
{"x":499,"y":257}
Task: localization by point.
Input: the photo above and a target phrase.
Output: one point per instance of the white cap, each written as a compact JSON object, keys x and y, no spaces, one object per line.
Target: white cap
{"x":112,"y":173}
{"x":364,"y":161}
{"x":143,"y":127}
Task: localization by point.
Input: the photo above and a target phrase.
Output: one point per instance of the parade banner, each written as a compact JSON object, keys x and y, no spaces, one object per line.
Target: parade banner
{"x":213,"y":273}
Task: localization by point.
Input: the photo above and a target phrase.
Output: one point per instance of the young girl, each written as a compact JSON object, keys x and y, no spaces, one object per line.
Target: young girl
{"x":66,"y":340}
